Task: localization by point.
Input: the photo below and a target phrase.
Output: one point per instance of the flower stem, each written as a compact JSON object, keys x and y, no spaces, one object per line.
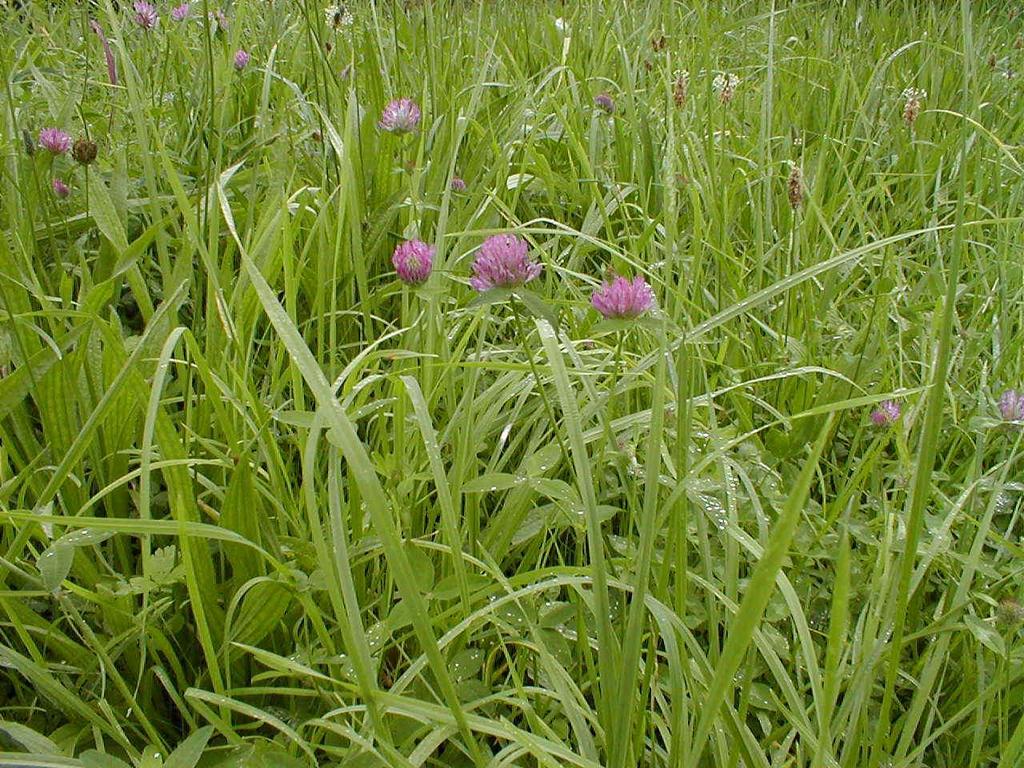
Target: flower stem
{"x":521,"y":333}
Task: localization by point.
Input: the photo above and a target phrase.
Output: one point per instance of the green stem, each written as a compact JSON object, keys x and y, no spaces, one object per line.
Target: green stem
{"x":521,"y":337}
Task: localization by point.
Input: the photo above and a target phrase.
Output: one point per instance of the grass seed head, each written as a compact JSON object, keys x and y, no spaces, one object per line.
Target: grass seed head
{"x":795,"y":187}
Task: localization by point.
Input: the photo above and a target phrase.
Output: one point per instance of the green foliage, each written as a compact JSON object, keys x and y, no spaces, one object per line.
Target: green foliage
{"x":261,"y":504}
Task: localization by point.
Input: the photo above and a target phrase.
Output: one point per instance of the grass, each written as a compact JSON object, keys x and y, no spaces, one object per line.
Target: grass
{"x":263,"y":504}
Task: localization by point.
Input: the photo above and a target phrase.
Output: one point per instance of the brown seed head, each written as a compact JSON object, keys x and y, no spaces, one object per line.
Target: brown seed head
{"x":795,"y":187}
{"x":724,"y":85}
{"x":912,"y":104}
{"x":910,"y":111}
{"x":84,"y":151}
{"x":1010,"y":611}
{"x":680,"y":88}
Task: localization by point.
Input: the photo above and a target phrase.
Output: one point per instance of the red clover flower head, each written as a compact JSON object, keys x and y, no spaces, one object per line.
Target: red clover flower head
{"x":413,"y":261}
{"x":503,"y":262}
{"x":458,"y":185}
{"x":181,"y":12}
{"x":1011,"y":405}
{"x":146,"y":15}
{"x":54,"y":140}
{"x":241,"y":59}
{"x":604,"y":102}
{"x":623,"y":298}
{"x":60,"y":189}
{"x":886,"y":414}
{"x":400,"y":116}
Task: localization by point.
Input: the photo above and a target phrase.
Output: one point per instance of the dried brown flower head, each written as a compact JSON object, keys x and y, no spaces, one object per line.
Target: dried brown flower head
{"x":1010,"y":611}
{"x":795,"y":187}
{"x":84,"y":151}
{"x":912,"y":104}
{"x":681,"y":87}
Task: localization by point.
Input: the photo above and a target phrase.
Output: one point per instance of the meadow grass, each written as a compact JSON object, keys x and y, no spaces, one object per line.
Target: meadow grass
{"x":262,"y":503}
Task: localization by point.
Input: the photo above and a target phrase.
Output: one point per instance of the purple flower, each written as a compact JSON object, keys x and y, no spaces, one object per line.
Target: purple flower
{"x":603,"y":101}
{"x":886,"y":414}
{"x":54,"y":140}
{"x":60,"y":189}
{"x":458,"y":185}
{"x":107,"y":53}
{"x":145,"y":14}
{"x":181,"y":12}
{"x":400,"y":116}
{"x":623,"y":298}
{"x":241,"y":59}
{"x":413,"y":261}
{"x":503,"y":262}
{"x":1011,"y":405}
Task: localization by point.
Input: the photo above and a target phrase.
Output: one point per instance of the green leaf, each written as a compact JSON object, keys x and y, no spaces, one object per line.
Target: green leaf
{"x":493,"y":481}
{"x":449,"y":515}
{"x":162,"y":568}
{"x":247,"y":710}
{"x":19,"y":382}
{"x":59,"y":697}
{"x":138,"y":246}
{"x":109,"y":399}
{"x":263,"y":606}
{"x":20,"y":760}
{"x":759,"y":590}
{"x":536,"y":306}
{"x":241,"y":513}
{"x":343,"y":433}
{"x":608,"y":641}
{"x":83,"y":537}
{"x":493,"y":296}
{"x":281,"y":663}
{"x":104,"y":214}
{"x":54,"y":564}
{"x":421,"y":566}
{"x":986,"y":634}
{"x":274,"y":757}
{"x":615,"y":325}
{"x":190,"y":750}
{"x":31,"y":741}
